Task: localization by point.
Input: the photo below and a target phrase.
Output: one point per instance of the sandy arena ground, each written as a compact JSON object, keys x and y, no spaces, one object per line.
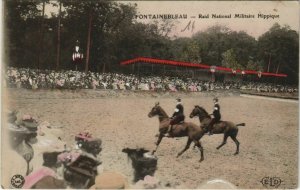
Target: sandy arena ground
{"x":269,"y":141}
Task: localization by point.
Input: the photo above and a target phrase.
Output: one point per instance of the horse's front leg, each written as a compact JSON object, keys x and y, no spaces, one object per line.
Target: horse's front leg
{"x":187,"y":146}
{"x":161,"y":135}
{"x":198,"y":144}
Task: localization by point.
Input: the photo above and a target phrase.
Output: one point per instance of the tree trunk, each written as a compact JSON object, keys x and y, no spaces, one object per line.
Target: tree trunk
{"x":58,"y":38}
{"x":88,"y":43}
{"x":278,"y":67}
{"x":269,"y":63}
{"x":103,"y":70}
{"x":40,"y":45}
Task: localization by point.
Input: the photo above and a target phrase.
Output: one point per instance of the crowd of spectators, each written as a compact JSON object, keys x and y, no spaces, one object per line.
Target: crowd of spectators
{"x":49,"y":79}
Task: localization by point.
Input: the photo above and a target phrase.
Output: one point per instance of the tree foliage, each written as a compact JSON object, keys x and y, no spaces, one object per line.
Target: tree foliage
{"x":230,"y":60}
{"x":280,"y":47}
{"x":31,"y":39}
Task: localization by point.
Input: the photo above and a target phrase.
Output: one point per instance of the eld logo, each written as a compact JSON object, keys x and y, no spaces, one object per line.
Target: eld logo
{"x":17,"y":181}
{"x":271,"y":182}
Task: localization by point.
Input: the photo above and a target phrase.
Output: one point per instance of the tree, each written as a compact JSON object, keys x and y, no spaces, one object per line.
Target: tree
{"x":282,"y":44}
{"x":20,"y":18}
{"x":254,"y":65}
{"x":102,"y":22}
{"x":216,"y":40}
{"x":41,"y":33}
{"x":108,"y":32}
{"x":165,"y":26}
{"x":190,"y":52}
{"x":212,"y":43}
{"x":230,"y":60}
{"x":58,"y":36}
{"x":243,"y":45}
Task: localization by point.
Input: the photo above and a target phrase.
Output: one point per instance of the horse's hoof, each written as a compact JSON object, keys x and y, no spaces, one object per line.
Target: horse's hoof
{"x":236,"y":153}
{"x":218,"y":148}
{"x":153,"y":152}
{"x":201,"y":160}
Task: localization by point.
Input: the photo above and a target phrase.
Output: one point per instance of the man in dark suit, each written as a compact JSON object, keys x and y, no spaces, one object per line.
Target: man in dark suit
{"x":177,"y":116}
{"x":217,"y":116}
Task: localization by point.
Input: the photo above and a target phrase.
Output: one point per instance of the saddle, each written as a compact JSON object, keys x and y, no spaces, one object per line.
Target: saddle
{"x":219,"y":124}
{"x":180,"y":123}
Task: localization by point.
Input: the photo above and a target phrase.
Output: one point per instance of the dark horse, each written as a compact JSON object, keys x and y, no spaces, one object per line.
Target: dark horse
{"x":227,"y":127}
{"x":192,"y":131}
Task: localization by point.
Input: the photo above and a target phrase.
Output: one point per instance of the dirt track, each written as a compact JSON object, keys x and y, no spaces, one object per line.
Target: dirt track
{"x":269,"y":142}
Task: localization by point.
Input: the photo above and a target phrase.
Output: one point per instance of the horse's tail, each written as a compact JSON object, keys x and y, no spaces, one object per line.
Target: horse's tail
{"x":240,"y":124}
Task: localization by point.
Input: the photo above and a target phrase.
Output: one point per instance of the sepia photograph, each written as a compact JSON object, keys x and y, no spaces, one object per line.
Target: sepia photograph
{"x":102,"y":94}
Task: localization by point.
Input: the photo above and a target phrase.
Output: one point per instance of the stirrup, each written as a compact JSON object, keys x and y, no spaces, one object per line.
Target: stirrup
{"x":168,"y":135}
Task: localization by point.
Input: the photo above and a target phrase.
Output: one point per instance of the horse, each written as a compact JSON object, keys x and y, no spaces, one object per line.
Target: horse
{"x":227,"y":127}
{"x":191,"y":130}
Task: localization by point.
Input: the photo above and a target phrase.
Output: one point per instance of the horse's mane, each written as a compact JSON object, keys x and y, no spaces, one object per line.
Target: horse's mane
{"x":201,"y":108}
{"x":162,"y":110}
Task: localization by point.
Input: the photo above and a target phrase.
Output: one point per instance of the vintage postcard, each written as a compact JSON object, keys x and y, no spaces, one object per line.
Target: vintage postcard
{"x":150,"y":94}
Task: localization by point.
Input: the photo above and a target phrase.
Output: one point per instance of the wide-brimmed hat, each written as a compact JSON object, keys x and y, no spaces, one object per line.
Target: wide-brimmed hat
{"x":30,"y":125}
{"x":29,"y":122}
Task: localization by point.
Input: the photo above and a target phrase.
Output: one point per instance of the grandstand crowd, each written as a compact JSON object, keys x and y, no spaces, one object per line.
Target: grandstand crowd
{"x":49,"y":79}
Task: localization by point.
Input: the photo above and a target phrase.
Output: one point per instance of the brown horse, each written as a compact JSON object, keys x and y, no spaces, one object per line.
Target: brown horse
{"x":192,"y":131}
{"x":227,"y":127}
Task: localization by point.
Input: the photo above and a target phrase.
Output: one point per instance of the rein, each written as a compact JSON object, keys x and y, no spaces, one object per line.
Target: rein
{"x":162,"y":115}
{"x":161,"y":118}
{"x":202,"y":116}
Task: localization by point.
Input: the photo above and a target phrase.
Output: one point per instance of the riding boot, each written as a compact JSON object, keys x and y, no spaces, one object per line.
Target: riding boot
{"x":169,"y":131}
{"x":210,"y":127}
{"x":210,"y":130}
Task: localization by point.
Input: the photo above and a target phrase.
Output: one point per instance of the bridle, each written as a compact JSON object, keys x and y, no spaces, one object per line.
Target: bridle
{"x":201,"y":116}
{"x":198,"y":109}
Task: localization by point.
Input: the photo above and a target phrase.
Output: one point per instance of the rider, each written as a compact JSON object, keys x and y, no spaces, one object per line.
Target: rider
{"x":177,"y":116}
{"x":217,"y":116}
